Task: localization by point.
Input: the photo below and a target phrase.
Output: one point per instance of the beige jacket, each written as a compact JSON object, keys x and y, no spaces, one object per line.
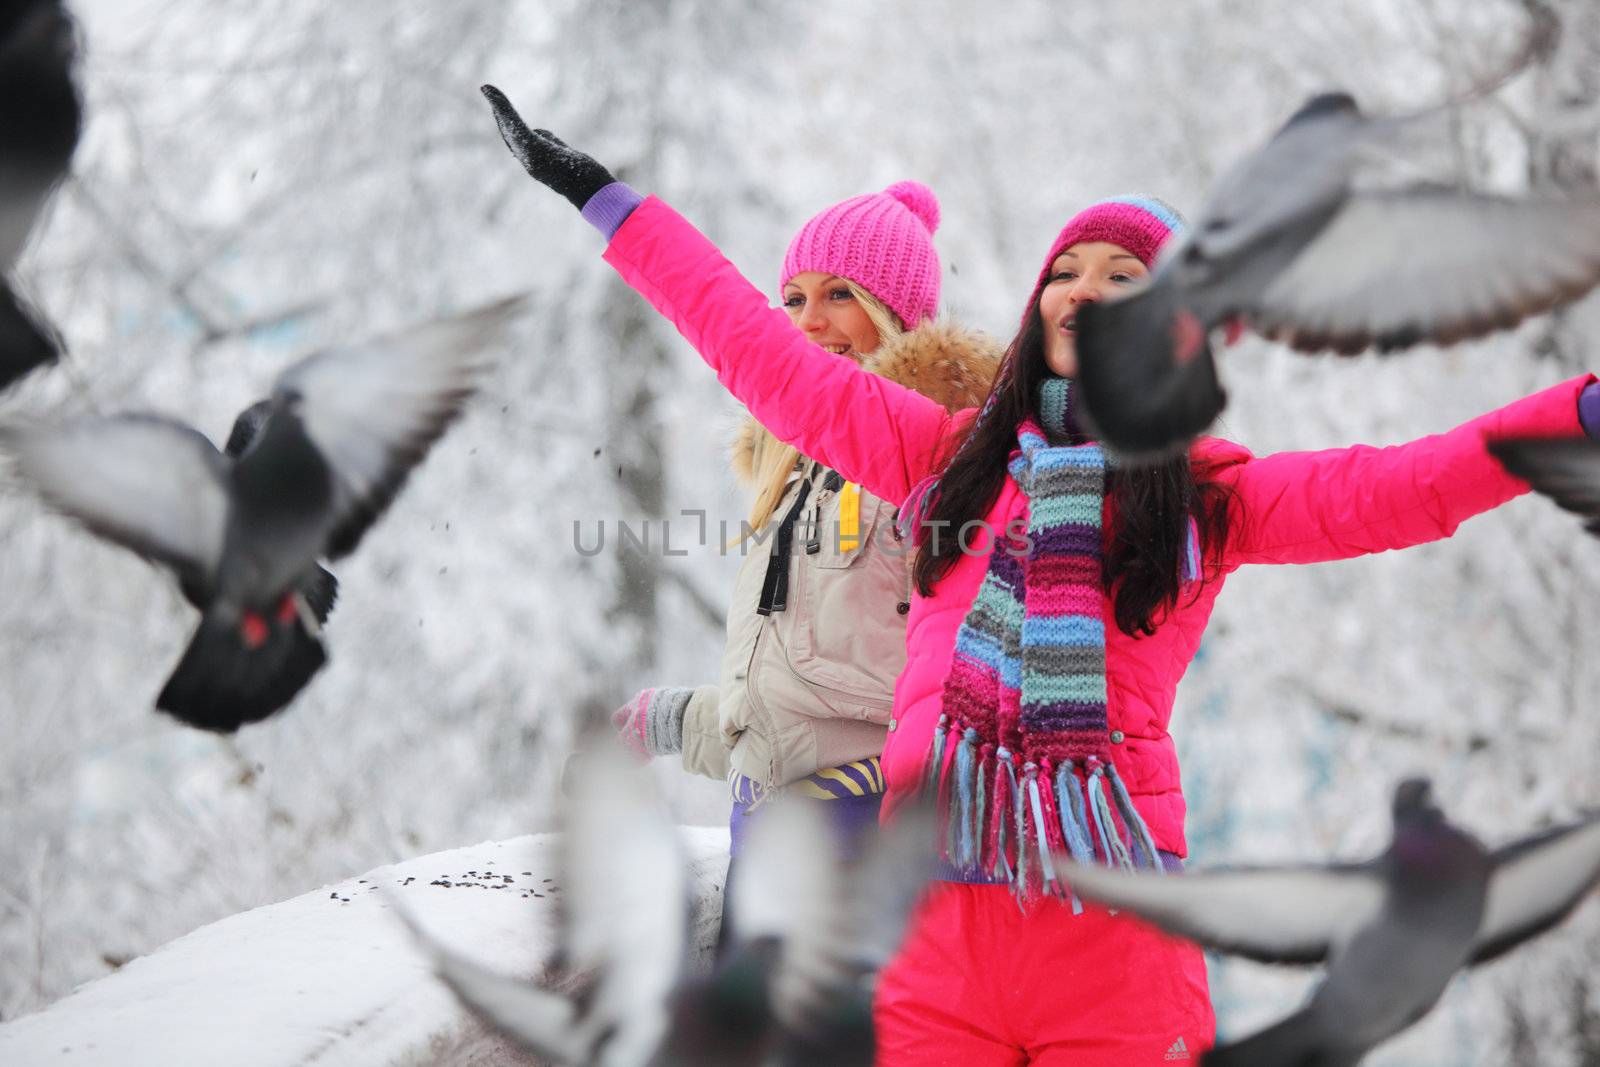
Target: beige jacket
{"x":810,"y":686}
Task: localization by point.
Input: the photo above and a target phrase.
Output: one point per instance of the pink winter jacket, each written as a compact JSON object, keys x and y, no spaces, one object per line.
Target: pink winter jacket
{"x":1293,"y":507}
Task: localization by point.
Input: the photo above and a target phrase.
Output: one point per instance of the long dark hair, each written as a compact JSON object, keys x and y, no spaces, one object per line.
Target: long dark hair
{"x":1151,"y":506}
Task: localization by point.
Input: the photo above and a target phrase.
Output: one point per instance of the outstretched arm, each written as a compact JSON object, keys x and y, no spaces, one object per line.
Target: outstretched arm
{"x":1307,"y":507}
{"x":874,"y":432}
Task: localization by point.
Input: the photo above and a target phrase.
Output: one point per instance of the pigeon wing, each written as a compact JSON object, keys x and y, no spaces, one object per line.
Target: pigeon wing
{"x":150,"y":484}
{"x":889,"y":881}
{"x":539,"y":1020}
{"x":624,"y":900}
{"x":788,"y":875}
{"x":374,"y":410}
{"x":1305,"y":168}
{"x":838,"y":921}
{"x":1536,"y":883}
{"x":788,"y":892}
{"x":826,"y":990}
{"x":835,"y":922}
{"x":1424,"y":265}
{"x":1565,"y":469}
{"x":1275,"y":915}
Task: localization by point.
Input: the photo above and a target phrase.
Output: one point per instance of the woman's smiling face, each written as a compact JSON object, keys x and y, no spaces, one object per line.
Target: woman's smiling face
{"x":829,"y":314}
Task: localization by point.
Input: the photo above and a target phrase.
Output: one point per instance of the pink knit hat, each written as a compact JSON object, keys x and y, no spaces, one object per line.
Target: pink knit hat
{"x":881,"y":241}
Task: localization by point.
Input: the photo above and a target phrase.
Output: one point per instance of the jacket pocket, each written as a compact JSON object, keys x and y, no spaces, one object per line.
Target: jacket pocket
{"x":844,"y":519}
{"x":846,"y":633}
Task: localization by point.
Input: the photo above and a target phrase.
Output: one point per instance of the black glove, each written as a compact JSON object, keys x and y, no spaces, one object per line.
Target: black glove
{"x":545,"y":156}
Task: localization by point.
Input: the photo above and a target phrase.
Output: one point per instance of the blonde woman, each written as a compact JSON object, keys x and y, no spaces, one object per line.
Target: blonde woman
{"x":816,"y":624}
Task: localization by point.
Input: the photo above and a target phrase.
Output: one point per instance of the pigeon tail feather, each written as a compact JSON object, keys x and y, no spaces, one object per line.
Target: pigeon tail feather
{"x":321,"y":592}
{"x":220,"y":683}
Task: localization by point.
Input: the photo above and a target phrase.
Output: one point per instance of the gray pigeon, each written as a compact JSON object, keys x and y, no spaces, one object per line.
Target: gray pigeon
{"x":1298,"y":244}
{"x":281,"y":676}
{"x":1565,"y":469}
{"x":40,"y":115}
{"x":1393,"y":931}
{"x":342,"y":432}
{"x":837,"y":923}
{"x":794,"y":987}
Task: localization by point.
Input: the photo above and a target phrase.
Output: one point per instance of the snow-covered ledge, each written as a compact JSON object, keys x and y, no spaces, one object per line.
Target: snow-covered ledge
{"x":330,"y":977}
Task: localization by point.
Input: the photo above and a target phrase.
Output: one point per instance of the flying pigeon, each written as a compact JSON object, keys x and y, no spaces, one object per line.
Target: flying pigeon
{"x":1565,"y":469}
{"x":1298,"y":243}
{"x":794,"y":987}
{"x":297,"y":654}
{"x":40,"y":116}
{"x":1393,"y":930}
{"x":341,"y":433}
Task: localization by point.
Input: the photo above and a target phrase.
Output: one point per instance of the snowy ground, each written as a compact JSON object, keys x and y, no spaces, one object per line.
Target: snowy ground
{"x":330,"y":977}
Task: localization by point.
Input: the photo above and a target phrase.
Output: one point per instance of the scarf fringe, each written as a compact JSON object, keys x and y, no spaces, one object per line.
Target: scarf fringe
{"x":1105,"y":823}
{"x":1001,"y":821}
{"x":1037,"y":838}
{"x":969,"y":786}
{"x":1145,"y":853}
{"x":997,"y":847}
{"x":980,"y":823}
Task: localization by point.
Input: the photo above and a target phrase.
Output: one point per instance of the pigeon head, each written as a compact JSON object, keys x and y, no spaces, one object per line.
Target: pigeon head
{"x":733,"y":1008}
{"x":1413,"y":801}
{"x":1323,"y":105}
{"x":246,"y":428}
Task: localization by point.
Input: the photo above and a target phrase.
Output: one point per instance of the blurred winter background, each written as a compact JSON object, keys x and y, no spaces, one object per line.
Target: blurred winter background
{"x":257,"y":180}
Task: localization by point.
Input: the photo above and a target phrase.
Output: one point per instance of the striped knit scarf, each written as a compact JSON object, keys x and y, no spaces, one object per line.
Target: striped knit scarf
{"x":1022,"y":757}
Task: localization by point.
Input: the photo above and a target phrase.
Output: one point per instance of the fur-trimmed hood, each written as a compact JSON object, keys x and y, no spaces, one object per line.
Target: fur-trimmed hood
{"x":942,"y":360}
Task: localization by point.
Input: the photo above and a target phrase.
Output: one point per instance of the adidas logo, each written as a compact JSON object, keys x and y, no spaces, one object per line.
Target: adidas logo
{"x":1178,"y":1051}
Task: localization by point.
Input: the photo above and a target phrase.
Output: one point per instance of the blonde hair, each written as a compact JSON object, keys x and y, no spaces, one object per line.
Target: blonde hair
{"x":773,"y":461}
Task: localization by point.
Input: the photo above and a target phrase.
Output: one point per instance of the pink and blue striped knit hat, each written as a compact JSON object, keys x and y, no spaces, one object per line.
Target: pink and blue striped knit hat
{"x":1141,"y":224}
{"x":881,"y":241}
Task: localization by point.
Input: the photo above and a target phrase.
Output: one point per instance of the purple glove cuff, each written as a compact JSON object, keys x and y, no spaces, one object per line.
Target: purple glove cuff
{"x":1589,"y":409}
{"x":609,"y":208}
